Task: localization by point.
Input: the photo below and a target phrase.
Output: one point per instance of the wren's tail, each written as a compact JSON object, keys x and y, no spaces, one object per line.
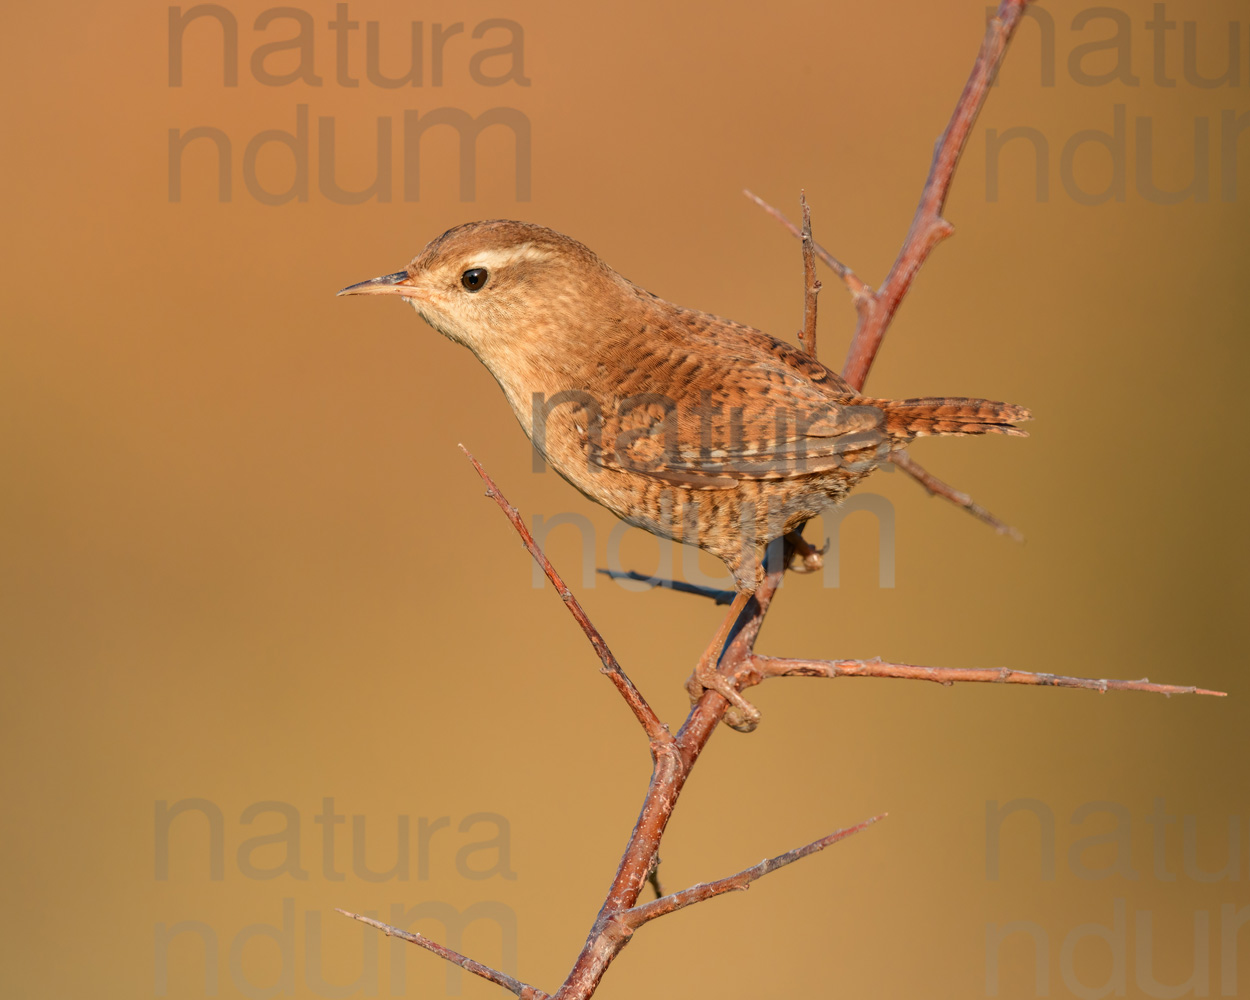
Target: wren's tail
{"x":912,"y":418}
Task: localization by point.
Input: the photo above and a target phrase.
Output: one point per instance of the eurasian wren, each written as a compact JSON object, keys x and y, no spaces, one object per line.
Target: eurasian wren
{"x":691,"y":426}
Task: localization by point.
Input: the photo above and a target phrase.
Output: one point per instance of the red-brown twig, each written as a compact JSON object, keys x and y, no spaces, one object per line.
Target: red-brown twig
{"x":876,"y":309}
{"x":640,"y":915}
{"x":864,"y":300}
{"x":774,"y":666}
{"x":674,"y":758}
{"x":655,"y":729}
{"x":936,"y":487}
{"x":860,"y":292}
{"x":811,"y":285}
{"x":928,"y":228}
{"x":610,"y":933}
{"x":477,"y":968}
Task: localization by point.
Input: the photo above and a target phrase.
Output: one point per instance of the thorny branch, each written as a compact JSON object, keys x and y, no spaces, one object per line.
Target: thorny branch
{"x":875,"y":309}
{"x":860,"y":293}
{"x":640,"y":915}
{"x":811,"y":286}
{"x":928,"y":228}
{"x":774,"y":666}
{"x":673,"y":760}
{"x":655,"y":729}
{"x":937,"y":487}
{"x":674,"y":757}
{"x":454,"y":957}
{"x":864,"y":300}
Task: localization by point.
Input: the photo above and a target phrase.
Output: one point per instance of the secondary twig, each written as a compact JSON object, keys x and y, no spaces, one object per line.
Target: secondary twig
{"x":609,"y":934}
{"x":639,"y":915}
{"x":936,"y":487}
{"x":653,"y":879}
{"x":775,"y":666}
{"x":928,"y":228}
{"x":477,"y":968}
{"x":860,"y":292}
{"x":656,"y":730}
{"x":876,"y":309}
{"x":811,"y":286}
{"x":673,"y":760}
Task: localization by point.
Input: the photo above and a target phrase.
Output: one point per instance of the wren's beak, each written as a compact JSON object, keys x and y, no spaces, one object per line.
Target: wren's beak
{"x":394,"y":284}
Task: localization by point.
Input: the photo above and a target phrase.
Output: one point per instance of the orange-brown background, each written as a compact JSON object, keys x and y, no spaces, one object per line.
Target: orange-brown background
{"x":245,"y":561}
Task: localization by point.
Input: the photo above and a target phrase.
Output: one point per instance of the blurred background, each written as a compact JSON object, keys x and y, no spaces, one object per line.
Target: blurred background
{"x":246,"y":569}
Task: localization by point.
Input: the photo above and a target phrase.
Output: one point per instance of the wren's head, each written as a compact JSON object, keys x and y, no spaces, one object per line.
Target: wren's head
{"x":504,"y":289}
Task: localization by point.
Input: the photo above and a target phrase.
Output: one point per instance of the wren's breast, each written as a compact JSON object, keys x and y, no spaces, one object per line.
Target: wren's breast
{"x":643,"y":416}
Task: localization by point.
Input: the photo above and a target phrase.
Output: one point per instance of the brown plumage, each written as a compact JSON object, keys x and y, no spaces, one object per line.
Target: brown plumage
{"x":691,"y":426}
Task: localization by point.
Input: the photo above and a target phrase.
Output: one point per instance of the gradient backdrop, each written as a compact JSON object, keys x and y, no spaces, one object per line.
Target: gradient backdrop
{"x":244,"y":561}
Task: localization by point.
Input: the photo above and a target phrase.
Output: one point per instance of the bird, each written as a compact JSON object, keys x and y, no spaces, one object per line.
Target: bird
{"x":693,"y":427}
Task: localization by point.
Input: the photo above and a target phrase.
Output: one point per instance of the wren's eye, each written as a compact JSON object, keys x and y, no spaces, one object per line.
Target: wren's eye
{"x":474,"y":278}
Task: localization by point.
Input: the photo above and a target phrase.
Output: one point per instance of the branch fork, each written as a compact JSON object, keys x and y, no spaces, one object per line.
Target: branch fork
{"x":674,"y":756}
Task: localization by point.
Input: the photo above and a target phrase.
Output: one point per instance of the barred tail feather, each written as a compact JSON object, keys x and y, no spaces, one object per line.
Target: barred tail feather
{"x":945,"y":415}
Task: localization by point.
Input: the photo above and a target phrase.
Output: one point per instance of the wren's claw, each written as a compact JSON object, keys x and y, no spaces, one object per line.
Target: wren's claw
{"x":803,"y":557}
{"x":741,"y":714}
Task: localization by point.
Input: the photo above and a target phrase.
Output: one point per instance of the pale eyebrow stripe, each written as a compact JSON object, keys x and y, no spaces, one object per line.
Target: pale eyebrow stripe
{"x":501,"y":258}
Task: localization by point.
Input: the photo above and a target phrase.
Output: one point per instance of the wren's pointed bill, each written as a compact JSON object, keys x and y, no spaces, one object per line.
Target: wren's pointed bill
{"x":693,"y":427}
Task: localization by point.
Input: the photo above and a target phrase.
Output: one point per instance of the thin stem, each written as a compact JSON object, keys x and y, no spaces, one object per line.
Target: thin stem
{"x":876,"y":309}
{"x":859,"y":291}
{"x":610,"y":933}
{"x":656,"y":730}
{"x":522,"y":990}
{"x":928,"y":228}
{"x":811,"y":285}
{"x":936,"y":487}
{"x":653,"y":879}
{"x":773,"y":666}
{"x":640,"y":915}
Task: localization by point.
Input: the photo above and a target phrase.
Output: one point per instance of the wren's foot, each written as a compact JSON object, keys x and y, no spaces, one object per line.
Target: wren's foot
{"x":804,"y":557}
{"x":741,"y":714}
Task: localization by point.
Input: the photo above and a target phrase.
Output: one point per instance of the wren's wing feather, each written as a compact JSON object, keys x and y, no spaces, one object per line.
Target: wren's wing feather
{"x":719,"y":403}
